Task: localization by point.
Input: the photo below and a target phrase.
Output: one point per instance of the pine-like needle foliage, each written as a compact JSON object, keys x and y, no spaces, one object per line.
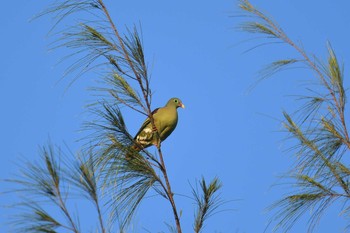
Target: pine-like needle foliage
{"x":126,"y":180}
{"x":42,"y":183}
{"x":83,"y":175}
{"x":96,"y":42}
{"x":318,"y":128}
{"x":207,"y":201}
{"x":46,"y":188}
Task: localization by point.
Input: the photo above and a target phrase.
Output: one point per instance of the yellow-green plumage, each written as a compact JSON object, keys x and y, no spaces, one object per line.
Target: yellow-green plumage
{"x":165,"y":121}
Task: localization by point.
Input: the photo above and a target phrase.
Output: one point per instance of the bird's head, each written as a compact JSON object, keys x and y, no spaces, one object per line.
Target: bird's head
{"x":176,"y":102}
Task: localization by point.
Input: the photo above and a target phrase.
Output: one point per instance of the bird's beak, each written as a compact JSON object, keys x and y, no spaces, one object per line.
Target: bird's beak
{"x":182,"y":105}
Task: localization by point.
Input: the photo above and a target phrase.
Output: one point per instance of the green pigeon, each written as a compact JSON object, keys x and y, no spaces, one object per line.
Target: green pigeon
{"x":165,"y":121}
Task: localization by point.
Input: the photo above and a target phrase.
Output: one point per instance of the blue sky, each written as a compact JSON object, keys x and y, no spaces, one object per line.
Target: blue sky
{"x":196,"y":54}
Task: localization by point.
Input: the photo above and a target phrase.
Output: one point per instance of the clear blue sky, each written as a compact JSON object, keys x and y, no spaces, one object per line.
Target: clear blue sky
{"x":194,"y":53}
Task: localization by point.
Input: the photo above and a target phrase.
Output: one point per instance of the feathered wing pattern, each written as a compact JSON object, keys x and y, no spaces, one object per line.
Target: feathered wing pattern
{"x":144,"y":137}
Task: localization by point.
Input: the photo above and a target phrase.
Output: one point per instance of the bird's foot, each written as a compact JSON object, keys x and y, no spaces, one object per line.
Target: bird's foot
{"x":157,"y":143}
{"x":154,"y":129}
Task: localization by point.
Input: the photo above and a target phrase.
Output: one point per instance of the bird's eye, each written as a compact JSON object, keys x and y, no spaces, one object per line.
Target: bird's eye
{"x":176,"y":101}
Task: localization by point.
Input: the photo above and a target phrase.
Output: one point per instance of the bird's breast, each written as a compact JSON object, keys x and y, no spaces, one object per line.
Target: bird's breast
{"x":166,"y":121}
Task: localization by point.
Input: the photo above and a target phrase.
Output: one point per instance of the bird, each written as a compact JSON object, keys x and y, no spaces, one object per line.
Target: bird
{"x":165,"y":121}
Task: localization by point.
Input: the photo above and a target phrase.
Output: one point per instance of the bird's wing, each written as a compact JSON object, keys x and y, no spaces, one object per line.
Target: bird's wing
{"x":147,"y":122}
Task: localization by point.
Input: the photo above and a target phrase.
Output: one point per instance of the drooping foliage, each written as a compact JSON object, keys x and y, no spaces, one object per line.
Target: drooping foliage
{"x":318,"y":129}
